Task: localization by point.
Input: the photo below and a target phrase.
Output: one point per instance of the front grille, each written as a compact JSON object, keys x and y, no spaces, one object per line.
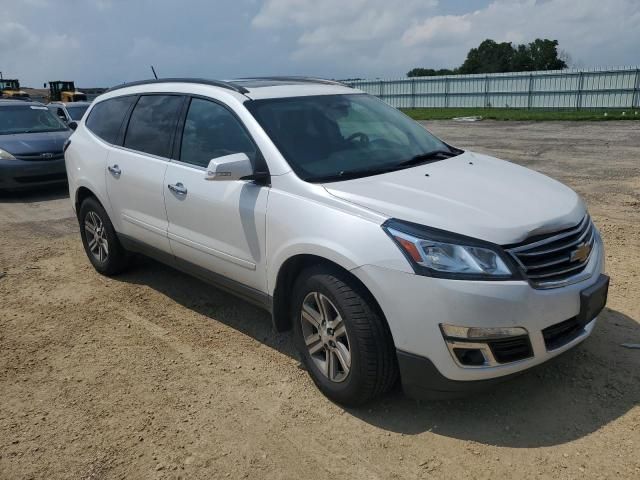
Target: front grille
{"x":511,"y":349}
{"x":551,"y":259}
{"x":562,"y":333}
{"x":41,"y":157}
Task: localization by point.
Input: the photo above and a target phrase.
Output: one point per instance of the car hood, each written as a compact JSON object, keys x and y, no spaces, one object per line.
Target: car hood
{"x":37,"y":142}
{"x":470,"y":194}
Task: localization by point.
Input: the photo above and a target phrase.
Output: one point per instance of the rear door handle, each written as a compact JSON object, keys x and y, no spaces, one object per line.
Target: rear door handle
{"x":115,"y":170}
{"x":177,"y":188}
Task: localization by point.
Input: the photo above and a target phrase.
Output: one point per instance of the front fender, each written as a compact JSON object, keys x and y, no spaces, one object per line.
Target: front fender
{"x":302,"y":225}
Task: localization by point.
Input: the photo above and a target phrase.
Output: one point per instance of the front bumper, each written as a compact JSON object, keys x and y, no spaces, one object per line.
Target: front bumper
{"x":415,"y":306}
{"x":23,"y":174}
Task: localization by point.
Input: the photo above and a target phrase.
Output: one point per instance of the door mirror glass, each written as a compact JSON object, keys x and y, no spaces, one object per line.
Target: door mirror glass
{"x":236,"y":166}
{"x":73,"y":125}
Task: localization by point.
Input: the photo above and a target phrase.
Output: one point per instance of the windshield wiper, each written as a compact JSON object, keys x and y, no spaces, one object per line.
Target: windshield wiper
{"x":350,"y":174}
{"x":367,"y":172}
{"x":426,"y":157}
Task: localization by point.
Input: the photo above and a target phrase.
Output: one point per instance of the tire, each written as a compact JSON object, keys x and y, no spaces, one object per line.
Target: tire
{"x":93,"y":218}
{"x":329,"y":293}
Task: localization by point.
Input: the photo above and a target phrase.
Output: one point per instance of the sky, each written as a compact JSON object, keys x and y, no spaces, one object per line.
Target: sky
{"x":100,"y":43}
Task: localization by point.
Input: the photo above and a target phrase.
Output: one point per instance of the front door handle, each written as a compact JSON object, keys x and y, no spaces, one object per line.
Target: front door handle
{"x":177,"y":188}
{"x":115,"y":170}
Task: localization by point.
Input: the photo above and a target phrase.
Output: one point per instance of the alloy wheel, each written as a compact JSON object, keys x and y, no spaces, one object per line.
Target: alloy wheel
{"x":325,"y":336}
{"x":96,"y":236}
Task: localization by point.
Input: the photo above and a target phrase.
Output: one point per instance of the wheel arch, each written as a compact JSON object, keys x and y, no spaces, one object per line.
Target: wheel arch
{"x":290,"y":270}
{"x":81,"y":194}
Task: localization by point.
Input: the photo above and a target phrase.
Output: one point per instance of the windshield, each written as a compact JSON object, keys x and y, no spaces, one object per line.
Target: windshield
{"x":335,"y":137}
{"x":76,"y":112}
{"x":28,"y":119}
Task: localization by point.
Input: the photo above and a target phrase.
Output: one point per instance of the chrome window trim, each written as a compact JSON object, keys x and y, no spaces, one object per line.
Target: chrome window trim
{"x":188,"y":165}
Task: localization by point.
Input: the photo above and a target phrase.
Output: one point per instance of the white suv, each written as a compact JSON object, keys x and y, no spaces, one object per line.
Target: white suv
{"x":388,"y":252}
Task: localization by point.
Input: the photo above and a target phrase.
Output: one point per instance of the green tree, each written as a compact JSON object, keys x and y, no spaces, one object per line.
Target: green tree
{"x":429,"y":72}
{"x":494,"y":57}
{"x":489,"y":57}
{"x":521,"y":60}
{"x":544,"y":55}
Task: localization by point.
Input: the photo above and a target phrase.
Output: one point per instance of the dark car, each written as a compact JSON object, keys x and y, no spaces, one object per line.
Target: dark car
{"x":31,"y":145}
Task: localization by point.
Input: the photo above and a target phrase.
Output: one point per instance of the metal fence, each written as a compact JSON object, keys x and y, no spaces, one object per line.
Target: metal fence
{"x":555,"y":89}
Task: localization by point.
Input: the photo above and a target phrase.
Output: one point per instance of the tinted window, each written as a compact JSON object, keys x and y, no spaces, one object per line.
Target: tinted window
{"x":152,"y":125}
{"x":211,"y":131}
{"x":335,"y":137}
{"x":106,"y":117}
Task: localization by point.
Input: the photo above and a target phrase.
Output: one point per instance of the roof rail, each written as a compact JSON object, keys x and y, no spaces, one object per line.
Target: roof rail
{"x":298,"y":79}
{"x":202,"y":81}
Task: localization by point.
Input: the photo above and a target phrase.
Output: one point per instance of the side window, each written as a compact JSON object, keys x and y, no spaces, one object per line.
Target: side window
{"x":61,"y":114}
{"x":152,"y":124}
{"x":105,"y":119}
{"x":212,"y":131}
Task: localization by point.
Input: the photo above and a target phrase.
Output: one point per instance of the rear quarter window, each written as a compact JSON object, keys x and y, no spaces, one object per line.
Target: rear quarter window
{"x":105,"y":118}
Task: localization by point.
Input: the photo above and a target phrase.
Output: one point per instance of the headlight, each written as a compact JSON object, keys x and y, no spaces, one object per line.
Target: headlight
{"x":4,"y":155}
{"x":438,"y":253}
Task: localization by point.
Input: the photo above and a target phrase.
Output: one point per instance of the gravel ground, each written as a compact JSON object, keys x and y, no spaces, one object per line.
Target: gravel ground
{"x":157,"y":375}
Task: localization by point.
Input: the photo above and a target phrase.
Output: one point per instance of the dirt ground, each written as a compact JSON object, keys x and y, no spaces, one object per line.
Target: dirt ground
{"x":157,"y":375}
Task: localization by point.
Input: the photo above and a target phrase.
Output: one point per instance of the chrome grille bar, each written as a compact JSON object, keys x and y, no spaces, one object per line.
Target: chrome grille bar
{"x":553,"y":237}
{"x":552,"y":260}
{"x":588,"y":231}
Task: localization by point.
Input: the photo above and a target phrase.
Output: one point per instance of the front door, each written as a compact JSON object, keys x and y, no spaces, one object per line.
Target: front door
{"x":216,"y":225}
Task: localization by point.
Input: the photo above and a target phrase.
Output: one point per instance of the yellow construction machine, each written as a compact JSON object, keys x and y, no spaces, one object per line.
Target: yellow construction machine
{"x":10,"y":88}
{"x":61,"y":91}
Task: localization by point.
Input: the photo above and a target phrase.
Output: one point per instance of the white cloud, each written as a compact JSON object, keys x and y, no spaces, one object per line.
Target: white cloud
{"x":380,"y":36}
{"x":343,"y":31}
{"x":437,"y":29}
{"x":103,"y":42}
{"x":25,"y":50}
{"x":593,"y":31}
{"x":15,"y":36}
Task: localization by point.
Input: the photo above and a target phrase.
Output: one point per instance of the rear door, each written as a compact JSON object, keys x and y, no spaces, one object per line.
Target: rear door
{"x":135,"y":171}
{"x":216,"y":225}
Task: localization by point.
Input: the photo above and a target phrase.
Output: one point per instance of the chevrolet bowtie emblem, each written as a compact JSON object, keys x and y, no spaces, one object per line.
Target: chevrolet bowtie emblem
{"x":581,"y":253}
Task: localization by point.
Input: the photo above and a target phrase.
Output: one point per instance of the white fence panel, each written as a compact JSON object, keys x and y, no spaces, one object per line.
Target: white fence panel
{"x":561,"y":89}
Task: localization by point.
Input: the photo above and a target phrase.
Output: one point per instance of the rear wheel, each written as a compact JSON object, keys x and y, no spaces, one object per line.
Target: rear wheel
{"x":342,"y":338}
{"x":100,"y":241}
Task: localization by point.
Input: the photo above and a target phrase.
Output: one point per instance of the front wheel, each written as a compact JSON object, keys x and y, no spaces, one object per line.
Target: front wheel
{"x":99,"y":238}
{"x":343,"y":340}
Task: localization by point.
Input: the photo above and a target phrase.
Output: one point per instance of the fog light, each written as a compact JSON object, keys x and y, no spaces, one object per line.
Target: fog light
{"x":486,"y":346}
{"x":480,"y":333}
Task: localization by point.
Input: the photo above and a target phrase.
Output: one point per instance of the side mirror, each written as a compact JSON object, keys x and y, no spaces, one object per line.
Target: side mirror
{"x":72,"y":125}
{"x":236,"y":166}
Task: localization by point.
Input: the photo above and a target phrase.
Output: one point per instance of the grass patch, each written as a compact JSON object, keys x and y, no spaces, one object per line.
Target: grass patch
{"x":521,"y":114}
